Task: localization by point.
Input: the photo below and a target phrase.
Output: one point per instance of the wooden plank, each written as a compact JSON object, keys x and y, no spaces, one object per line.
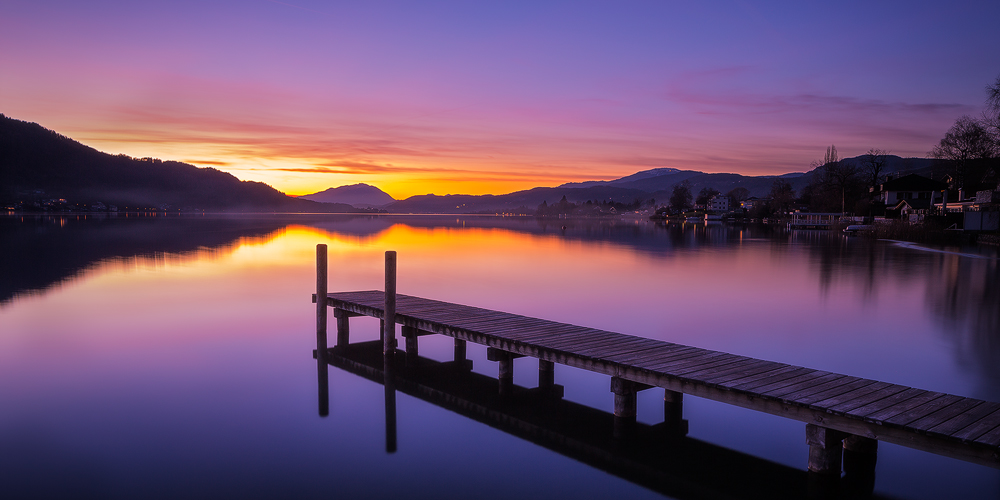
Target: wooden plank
{"x":719,"y":365}
{"x":650,"y":355}
{"x":751,"y":379}
{"x":542,"y":332}
{"x":929,"y":408}
{"x":845,"y":403}
{"x":832,"y":384}
{"x":941,"y":416}
{"x":651,"y":360}
{"x":804,"y":378}
{"x":960,"y":421}
{"x":649,"y":351}
{"x":665,"y":349}
{"x":979,"y":427}
{"x":752,"y":386}
{"x":885,"y":402}
{"x":858,"y":383}
{"x":764,"y":368}
{"x":616,"y":348}
{"x":913,"y":403}
{"x":572,"y":341}
{"x":991,"y":438}
{"x":695,"y":359}
{"x":747,"y":366}
{"x":681,"y":369}
{"x":809,"y":382}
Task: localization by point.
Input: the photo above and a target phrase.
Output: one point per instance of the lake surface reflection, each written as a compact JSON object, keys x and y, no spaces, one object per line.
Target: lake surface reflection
{"x":171,"y":356}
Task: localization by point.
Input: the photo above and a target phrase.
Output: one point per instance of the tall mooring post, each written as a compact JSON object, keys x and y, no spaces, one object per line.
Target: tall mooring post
{"x":321,"y":296}
{"x":389,"y":322}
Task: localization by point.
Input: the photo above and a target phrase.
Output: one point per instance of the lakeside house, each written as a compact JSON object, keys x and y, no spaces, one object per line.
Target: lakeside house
{"x":910,"y":188}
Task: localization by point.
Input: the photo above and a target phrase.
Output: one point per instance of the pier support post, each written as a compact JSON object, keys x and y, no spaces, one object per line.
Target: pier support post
{"x":506,"y":375}
{"x":625,"y":406}
{"x":343,"y":327}
{"x":389,"y":322}
{"x":673,"y":414}
{"x":825,"y":449}
{"x":546,"y":375}
{"x":461,"y":361}
{"x":321,"y":302}
{"x":412,"y":351}
{"x":860,"y":457}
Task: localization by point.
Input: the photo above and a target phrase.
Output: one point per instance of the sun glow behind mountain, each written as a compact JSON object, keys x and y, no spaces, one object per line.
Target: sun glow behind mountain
{"x":491,"y":98}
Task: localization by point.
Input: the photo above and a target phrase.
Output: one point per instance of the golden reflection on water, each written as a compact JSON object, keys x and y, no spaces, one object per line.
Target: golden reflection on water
{"x":802,"y":299}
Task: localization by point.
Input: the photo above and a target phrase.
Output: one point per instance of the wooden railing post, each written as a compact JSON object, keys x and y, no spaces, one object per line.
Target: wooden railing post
{"x":389,"y":332}
{"x":321,"y":301}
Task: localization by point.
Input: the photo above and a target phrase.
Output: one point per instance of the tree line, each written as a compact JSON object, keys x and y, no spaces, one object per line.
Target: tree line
{"x":969,"y":152}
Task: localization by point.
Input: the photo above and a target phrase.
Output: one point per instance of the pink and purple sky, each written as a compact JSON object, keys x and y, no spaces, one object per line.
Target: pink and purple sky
{"x":491,"y":97}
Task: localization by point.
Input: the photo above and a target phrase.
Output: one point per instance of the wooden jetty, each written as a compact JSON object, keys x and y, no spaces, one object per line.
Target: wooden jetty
{"x":841,"y":412}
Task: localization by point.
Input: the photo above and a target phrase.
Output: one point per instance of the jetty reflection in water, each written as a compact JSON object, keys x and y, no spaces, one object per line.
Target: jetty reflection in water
{"x":657,"y":457}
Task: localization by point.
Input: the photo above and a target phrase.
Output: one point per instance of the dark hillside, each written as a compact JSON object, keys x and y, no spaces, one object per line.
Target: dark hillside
{"x":37,"y":163}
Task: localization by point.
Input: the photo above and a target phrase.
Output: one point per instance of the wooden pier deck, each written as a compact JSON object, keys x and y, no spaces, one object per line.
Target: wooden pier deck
{"x":842,"y":411}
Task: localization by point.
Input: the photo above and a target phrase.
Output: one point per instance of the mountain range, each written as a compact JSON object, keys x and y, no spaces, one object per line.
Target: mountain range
{"x":38,"y":163}
{"x":654,"y":184}
{"x":358,"y":195}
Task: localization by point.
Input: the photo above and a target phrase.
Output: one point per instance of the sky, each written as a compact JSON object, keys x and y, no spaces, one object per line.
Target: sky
{"x":492,"y":97}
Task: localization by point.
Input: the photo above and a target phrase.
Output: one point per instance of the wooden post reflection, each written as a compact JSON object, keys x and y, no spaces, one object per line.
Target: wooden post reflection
{"x":322,"y":372}
{"x":390,"y":403}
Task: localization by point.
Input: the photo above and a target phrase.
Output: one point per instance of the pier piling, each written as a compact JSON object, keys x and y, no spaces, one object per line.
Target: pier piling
{"x":389,"y":322}
{"x":321,"y":300}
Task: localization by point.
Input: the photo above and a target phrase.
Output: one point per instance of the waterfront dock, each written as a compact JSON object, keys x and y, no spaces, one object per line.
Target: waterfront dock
{"x":845,"y":416}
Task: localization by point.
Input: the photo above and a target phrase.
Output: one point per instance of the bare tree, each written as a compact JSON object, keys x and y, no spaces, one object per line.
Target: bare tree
{"x":840,"y":175}
{"x":738,"y":194}
{"x":680,"y":198}
{"x":966,"y":141}
{"x":874,"y":162}
{"x":992,"y":114}
{"x":705,"y":195}
{"x":782,"y":195}
{"x":993,"y":97}
{"x":831,"y":155}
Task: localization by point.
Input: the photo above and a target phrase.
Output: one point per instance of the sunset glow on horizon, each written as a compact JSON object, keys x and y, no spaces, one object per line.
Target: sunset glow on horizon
{"x":457,"y":98}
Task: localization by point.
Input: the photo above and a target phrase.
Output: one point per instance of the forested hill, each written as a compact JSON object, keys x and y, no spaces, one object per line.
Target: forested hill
{"x":37,"y":163}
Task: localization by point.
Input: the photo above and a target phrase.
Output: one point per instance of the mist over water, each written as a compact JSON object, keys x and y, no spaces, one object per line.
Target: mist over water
{"x":171,"y":356}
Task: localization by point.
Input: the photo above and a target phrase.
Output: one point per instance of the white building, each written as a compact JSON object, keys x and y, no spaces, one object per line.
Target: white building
{"x":719,"y":203}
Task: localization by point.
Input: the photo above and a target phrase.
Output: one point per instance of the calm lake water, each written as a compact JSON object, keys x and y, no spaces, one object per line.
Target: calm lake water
{"x":167,"y":357}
